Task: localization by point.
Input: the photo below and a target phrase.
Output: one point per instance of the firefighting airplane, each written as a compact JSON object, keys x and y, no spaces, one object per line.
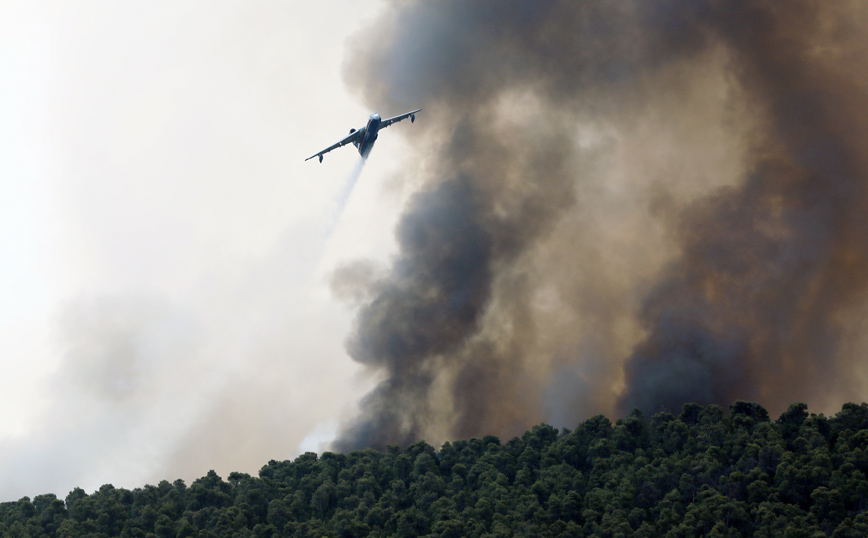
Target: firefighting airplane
{"x":365,"y":137}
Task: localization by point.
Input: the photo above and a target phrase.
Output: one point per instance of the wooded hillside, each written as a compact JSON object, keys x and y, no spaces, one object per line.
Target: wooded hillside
{"x":703,"y":472}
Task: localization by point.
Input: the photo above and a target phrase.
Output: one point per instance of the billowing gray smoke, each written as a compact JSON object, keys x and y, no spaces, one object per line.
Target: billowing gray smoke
{"x":753,"y":307}
{"x":629,"y":204}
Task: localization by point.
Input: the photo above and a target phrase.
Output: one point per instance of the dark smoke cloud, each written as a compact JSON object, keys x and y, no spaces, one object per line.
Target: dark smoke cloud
{"x":623,"y":204}
{"x":430,"y":305}
{"x":753,"y":307}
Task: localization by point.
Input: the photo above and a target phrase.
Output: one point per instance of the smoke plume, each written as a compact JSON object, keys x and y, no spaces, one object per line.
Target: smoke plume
{"x":622,"y":204}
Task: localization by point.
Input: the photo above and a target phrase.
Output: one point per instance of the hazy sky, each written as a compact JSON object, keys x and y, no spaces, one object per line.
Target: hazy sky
{"x":164,"y":248}
{"x":602,"y":205}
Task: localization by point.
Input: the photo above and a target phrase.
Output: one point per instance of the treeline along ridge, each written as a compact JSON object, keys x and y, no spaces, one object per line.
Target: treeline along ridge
{"x":703,"y":472}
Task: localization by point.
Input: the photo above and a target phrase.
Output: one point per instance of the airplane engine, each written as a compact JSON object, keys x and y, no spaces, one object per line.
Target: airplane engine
{"x":360,"y":136}
{"x":412,"y":118}
{"x":352,"y":131}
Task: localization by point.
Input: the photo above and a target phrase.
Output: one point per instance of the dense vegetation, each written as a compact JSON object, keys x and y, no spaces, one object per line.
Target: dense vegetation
{"x":701,"y":473}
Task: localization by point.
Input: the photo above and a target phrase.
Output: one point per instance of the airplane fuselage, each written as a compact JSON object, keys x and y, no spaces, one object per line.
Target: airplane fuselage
{"x":369,"y":136}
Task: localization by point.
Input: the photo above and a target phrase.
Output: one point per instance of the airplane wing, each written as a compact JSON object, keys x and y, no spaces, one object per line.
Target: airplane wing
{"x":343,"y":142}
{"x":399,"y":117}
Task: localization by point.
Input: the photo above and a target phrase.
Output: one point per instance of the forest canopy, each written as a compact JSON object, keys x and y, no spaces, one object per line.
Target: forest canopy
{"x":705,"y":471}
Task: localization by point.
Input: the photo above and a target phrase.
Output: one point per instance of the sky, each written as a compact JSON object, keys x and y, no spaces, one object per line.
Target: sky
{"x":165,"y":251}
{"x":601,"y":207}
